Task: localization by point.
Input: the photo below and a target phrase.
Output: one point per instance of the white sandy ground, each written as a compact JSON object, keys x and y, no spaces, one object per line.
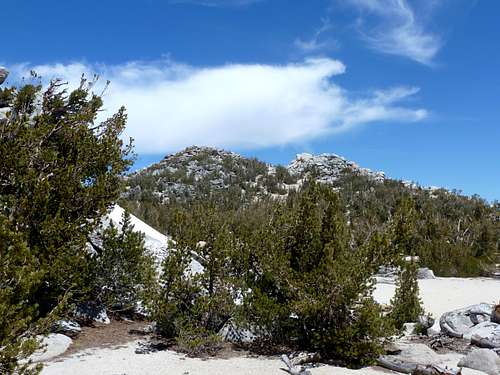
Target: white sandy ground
{"x":445,"y":294}
{"x":439,"y":295}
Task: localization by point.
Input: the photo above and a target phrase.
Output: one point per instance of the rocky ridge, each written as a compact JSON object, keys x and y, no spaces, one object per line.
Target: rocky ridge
{"x":198,"y":170}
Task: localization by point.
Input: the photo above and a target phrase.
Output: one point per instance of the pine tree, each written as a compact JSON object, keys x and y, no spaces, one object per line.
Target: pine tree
{"x":18,"y":277}
{"x":60,"y":172}
{"x":192,"y":308}
{"x":122,"y":272}
{"x":406,"y":304}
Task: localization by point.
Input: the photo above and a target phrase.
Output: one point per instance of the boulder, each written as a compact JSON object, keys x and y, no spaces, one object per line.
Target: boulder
{"x":425,"y":273}
{"x":231,"y":332}
{"x":419,"y":354}
{"x":67,"y":327}
{"x":485,"y":360}
{"x":53,"y":345}
{"x":426,"y":322}
{"x":91,"y":312}
{"x":485,"y":335}
{"x":458,"y":322}
{"x":434,"y":330}
{"x":3,"y":74}
{"x":410,"y":357}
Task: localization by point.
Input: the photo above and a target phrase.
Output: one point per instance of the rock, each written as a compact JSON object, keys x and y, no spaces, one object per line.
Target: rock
{"x":328,"y":167}
{"x":3,"y":74}
{"x":456,"y":323}
{"x":67,"y":327}
{"x":485,"y":335}
{"x":434,"y":330}
{"x":53,"y":345}
{"x":91,"y":312}
{"x":485,"y":360}
{"x":435,"y":370}
{"x":426,"y":322}
{"x":292,"y":368}
{"x":419,"y":354}
{"x":425,"y":273}
{"x":392,"y":348}
{"x":230,"y":332}
{"x":410,"y":358}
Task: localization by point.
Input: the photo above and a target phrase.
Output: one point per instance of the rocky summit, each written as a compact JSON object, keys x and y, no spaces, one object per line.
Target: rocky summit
{"x":200,"y":170}
{"x":329,"y":167}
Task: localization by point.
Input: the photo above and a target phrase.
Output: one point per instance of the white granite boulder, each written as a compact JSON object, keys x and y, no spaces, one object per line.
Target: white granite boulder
{"x":410,"y":356}
{"x":52,"y":346}
{"x":485,"y":335}
{"x":485,"y":360}
{"x":459,"y":322}
{"x":425,"y":274}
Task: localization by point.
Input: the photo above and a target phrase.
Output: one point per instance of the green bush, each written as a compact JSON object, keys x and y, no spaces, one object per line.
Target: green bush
{"x":122,"y":273}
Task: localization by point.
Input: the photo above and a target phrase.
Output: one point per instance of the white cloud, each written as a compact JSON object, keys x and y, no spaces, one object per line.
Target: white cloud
{"x":317,"y":42}
{"x":397,"y":29}
{"x":171,"y":105}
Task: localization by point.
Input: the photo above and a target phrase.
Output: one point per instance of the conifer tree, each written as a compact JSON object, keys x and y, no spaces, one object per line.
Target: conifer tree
{"x":122,"y":273}
{"x":193,"y":307}
{"x":18,"y":278}
{"x":60,"y":171}
{"x":407,"y":306}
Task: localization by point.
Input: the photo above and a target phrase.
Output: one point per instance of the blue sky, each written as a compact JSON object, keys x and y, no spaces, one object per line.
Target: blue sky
{"x":408,"y":87}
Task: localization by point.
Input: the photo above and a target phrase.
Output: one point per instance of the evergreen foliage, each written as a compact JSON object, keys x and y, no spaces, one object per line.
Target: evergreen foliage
{"x":18,"y":278}
{"x":294,"y":266}
{"x":456,"y":235}
{"x":60,"y":172}
{"x":193,"y":307}
{"x":122,"y":273}
{"x":406,"y":304}
{"x":292,"y":271}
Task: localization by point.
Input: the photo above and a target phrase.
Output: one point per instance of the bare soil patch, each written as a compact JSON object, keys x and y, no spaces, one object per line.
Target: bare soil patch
{"x":117,"y":333}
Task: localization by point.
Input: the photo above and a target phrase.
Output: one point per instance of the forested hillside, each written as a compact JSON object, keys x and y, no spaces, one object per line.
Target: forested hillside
{"x":455,"y":235}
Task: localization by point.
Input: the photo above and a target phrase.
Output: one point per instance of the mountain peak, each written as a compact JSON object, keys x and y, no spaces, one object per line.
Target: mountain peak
{"x":328,"y":167}
{"x":199,"y":171}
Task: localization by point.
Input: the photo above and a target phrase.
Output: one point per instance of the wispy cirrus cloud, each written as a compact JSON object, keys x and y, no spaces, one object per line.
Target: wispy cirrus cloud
{"x":317,"y":42}
{"x":396,"y":27}
{"x":172,"y":105}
